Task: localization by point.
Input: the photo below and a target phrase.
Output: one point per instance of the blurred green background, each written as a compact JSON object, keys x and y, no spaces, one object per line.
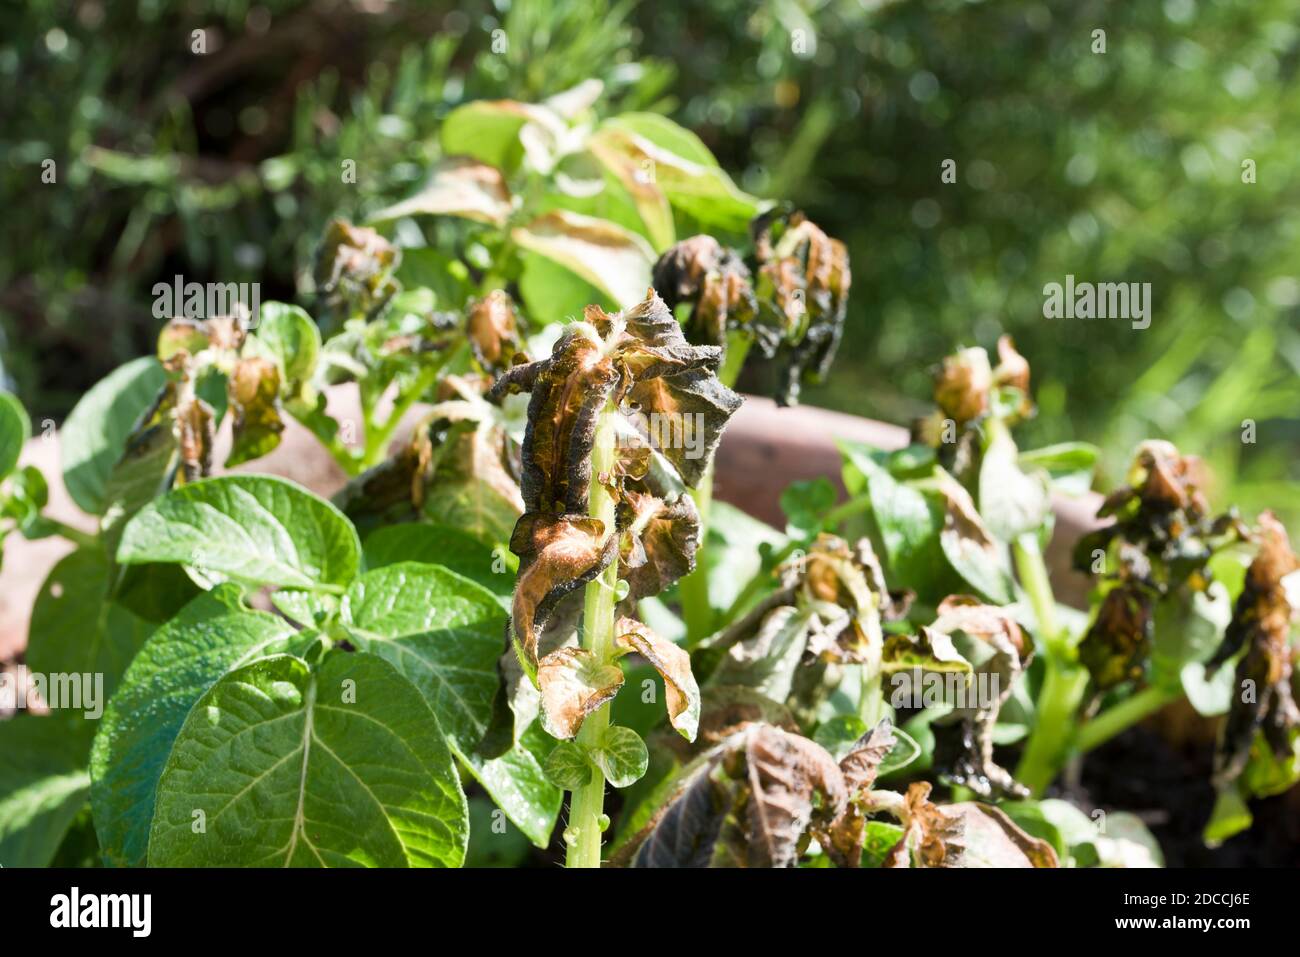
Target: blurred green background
{"x":1123,"y":165}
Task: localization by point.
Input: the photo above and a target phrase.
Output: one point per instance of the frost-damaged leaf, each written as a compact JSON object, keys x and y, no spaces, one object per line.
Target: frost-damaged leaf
{"x":749,"y":802}
{"x":353,"y":272}
{"x":802,"y":285}
{"x":574,"y":683}
{"x":472,"y":487}
{"x":459,"y":186}
{"x":659,"y":543}
{"x":964,"y":738}
{"x":928,"y":650}
{"x":1118,"y":643}
{"x":615,"y":260}
{"x":963,"y":835}
{"x":674,"y":664}
{"x":555,"y":557}
{"x":338,"y":765}
{"x":843,"y":837}
{"x":717,"y":284}
{"x":1262,"y":623}
{"x":492,"y":324}
{"x":255,"y":403}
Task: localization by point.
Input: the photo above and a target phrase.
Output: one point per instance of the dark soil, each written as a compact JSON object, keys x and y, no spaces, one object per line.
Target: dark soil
{"x":1169,"y":788}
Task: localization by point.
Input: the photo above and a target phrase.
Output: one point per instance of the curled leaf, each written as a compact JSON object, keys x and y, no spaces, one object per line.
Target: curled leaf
{"x":674,"y":664}
{"x":659,"y":542}
{"x":458,"y":186}
{"x":717,"y":284}
{"x":353,"y":272}
{"x":574,"y":683}
{"x":255,"y":402}
{"x":492,"y":325}
{"x":963,"y":835}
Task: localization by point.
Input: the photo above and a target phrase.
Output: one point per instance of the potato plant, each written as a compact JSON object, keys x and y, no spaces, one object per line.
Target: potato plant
{"x":525,"y":617}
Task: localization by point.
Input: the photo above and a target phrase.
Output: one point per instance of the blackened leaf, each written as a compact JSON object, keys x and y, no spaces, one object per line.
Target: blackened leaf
{"x":928,"y":650}
{"x":557,"y":555}
{"x":1118,"y":642}
{"x":659,"y":545}
{"x":674,"y":664}
{"x":964,"y":835}
{"x":353,"y":272}
{"x":574,"y":683}
{"x":255,"y":402}
{"x":784,"y":773}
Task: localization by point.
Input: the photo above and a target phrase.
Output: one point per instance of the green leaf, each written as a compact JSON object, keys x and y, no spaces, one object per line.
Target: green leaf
{"x":909,"y":524}
{"x":880,"y":838}
{"x":487,"y":130}
{"x":258,"y":530}
{"x":457,"y":186}
{"x":838,"y":735}
{"x":15,"y":430}
{"x":804,"y":504}
{"x":552,"y":293}
{"x":518,"y":784}
{"x":427,"y":268}
{"x":448,"y":547}
{"x":212,"y":635}
{"x":1010,"y":502}
{"x":283,"y":764}
{"x":615,"y":260}
{"x":76,"y":629}
{"x":95,"y":433}
{"x":288,"y":335}
{"x":904,"y":752}
{"x":1230,"y":816}
{"x":567,"y":766}
{"x":441,"y":631}
{"x":621,"y":755}
{"x":1070,"y":464}
{"x":43,"y":784}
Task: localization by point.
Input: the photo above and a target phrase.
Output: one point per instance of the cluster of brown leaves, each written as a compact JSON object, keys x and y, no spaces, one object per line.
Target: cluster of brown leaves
{"x":1162,"y":537}
{"x":1261,"y":623}
{"x":967,"y":389}
{"x":791,"y":299}
{"x":633,"y":361}
{"x":353,"y":273}
{"x":759,"y":797}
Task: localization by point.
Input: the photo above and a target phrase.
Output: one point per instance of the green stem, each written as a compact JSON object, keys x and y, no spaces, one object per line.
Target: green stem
{"x":871,"y":706}
{"x":846,"y":510}
{"x":1048,"y":746}
{"x":74,"y":535}
{"x":1123,"y":715}
{"x":1064,"y":681}
{"x":586,"y":804}
{"x":378,"y":436}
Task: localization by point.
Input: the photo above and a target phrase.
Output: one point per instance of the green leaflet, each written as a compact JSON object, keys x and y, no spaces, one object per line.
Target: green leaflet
{"x":15,"y":430}
{"x":257,"y":530}
{"x":43,"y":784}
{"x":621,"y":756}
{"x":76,"y":629}
{"x":1011,"y":501}
{"x":282,"y":764}
{"x":445,"y":546}
{"x":288,"y":335}
{"x":212,"y":635}
{"x":95,"y":433}
{"x":445,"y":634}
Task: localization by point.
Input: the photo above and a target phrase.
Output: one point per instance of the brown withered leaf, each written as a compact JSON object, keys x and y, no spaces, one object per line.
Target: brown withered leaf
{"x":658,"y":544}
{"x":573,"y":684}
{"x":1261,"y":621}
{"x":962,"y":385}
{"x":254,"y":391}
{"x":802,"y":290}
{"x":1118,"y":643}
{"x":1013,"y":368}
{"x":353,"y":272}
{"x":964,"y":738}
{"x":194,"y":435}
{"x":472,"y":486}
{"x":785,"y":772}
{"x":717,"y":284}
{"x":842,"y":838}
{"x":963,"y":835}
{"x":557,"y":554}
{"x":492,"y":325}
{"x":673,"y":664}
